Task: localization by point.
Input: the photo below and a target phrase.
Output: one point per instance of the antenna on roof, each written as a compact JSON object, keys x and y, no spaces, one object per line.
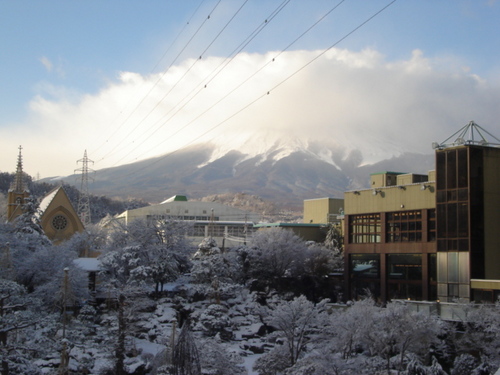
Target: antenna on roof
{"x":470,"y":134}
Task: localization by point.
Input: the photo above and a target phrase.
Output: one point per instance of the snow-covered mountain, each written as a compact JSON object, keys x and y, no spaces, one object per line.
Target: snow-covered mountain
{"x":286,"y":171}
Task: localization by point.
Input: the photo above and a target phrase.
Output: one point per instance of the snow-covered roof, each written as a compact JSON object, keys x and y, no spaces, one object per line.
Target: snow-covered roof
{"x":47,"y":199}
{"x":175,"y":198}
{"x":88,"y":264}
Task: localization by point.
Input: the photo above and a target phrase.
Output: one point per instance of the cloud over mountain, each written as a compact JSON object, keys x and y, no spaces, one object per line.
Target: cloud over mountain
{"x":348,"y":100}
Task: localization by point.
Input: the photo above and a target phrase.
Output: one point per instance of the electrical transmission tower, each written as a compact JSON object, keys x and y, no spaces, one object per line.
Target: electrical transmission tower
{"x":84,"y":199}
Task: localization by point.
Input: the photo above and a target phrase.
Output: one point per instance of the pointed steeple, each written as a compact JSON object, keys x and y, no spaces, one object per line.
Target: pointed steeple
{"x":18,"y":186}
{"x":17,"y":192}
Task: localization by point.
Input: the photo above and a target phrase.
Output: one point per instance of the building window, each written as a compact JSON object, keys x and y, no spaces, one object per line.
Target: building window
{"x":365,"y":274}
{"x":404,"y":274}
{"x":59,"y":222}
{"x":155,"y":218}
{"x":216,"y":230}
{"x":364,"y":228}
{"x":365,"y":266}
{"x":452,"y":200}
{"x":404,"y":226}
{"x":453,"y":275}
{"x":199,"y":230}
{"x":431,"y":225}
{"x":404,"y":266}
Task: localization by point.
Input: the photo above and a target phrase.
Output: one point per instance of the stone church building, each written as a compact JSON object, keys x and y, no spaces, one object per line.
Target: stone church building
{"x":57,"y":216}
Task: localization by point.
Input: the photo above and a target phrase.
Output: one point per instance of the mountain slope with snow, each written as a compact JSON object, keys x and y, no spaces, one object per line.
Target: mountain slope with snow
{"x":283,"y":172}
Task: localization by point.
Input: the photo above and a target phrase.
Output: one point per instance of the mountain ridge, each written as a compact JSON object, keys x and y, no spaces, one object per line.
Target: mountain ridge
{"x":282,"y":175}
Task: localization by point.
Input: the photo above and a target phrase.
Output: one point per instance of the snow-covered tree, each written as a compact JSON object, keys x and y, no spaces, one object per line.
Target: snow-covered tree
{"x":464,"y":364}
{"x":28,"y":226}
{"x":88,"y":243}
{"x":154,"y":252}
{"x":334,"y":239}
{"x":210,"y":263}
{"x":387,"y":332}
{"x":297,"y":320}
{"x":214,"y":320}
{"x":215,"y":359}
{"x":18,"y":312}
{"x":273,"y":362}
{"x":276,"y":252}
{"x":42,"y":273}
{"x":347,"y":325}
{"x":482,"y":330}
{"x":320,"y":261}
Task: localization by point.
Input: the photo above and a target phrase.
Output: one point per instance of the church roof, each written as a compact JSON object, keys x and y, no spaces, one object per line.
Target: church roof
{"x":48,"y":199}
{"x":58,"y":217}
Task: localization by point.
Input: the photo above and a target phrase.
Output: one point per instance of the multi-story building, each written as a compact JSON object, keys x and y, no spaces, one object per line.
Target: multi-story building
{"x":389,"y":237}
{"x":429,"y":237}
{"x":229,"y":226}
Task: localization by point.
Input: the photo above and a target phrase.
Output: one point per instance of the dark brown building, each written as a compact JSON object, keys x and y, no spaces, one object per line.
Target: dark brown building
{"x":433,"y":237}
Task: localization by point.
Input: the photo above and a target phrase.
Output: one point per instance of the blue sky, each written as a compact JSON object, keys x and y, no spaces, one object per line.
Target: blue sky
{"x":81,"y":75}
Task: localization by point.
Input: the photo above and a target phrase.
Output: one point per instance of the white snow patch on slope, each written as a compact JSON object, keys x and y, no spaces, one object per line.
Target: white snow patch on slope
{"x":272,"y":147}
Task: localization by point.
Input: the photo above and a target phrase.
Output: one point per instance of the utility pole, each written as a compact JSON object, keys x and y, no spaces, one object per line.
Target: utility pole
{"x":84,"y":199}
{"x":63,"y":365}
{"x":65,"y":299}
{"x":211,"y":225}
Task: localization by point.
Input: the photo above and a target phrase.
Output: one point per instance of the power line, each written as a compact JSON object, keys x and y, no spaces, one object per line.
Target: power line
{"x":215,"y":73}
{"x":333,"y":45}
{"x":161,"y":77}
{"x":266,"y":22}
{"x":272,"y":89}
{"x":181,"y":78}
{"x":152,"y":70}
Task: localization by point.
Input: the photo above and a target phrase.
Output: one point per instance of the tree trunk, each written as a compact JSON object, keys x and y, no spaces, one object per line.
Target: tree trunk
{"x":5,"y":367}
{"x":120,"y":349}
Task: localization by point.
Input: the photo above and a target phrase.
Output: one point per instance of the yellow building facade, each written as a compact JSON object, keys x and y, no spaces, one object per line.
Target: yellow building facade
{"x":322,"y":210}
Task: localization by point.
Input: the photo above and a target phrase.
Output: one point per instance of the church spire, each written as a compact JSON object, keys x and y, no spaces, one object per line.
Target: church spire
{"x":17,"y":192}
{"x":19,"y":180}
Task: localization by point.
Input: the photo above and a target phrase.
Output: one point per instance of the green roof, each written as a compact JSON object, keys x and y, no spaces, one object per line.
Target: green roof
{"x":180,"y":198}
{"x":176,"y":198}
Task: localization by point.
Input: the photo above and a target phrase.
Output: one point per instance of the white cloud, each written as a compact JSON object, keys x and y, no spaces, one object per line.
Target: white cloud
{"x":354,"y":100}
{"x":46,"y":63}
